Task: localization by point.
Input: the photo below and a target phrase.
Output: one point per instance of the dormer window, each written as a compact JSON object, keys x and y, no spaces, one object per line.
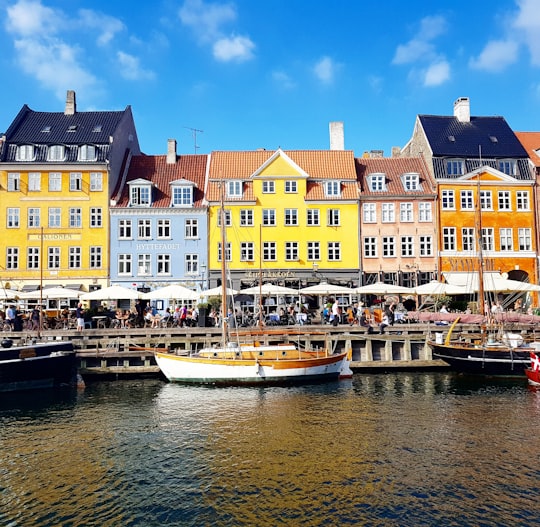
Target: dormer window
{"x":97,"y":128}
{"x":87,"y":153}
{"x":72,"y":128}
{"x":377,"y":182}
{"x":25,"y":153}
{"x":234,"y":189}
{"x":56,"y":153}
{"x":508,"y":166}
{"x":411,"y":181}
{"x":181,"y":194}
{"x":454,"y":167}
{"x":332,"y":188}
{"x":140,"y":195}
{"x":46,"y":129}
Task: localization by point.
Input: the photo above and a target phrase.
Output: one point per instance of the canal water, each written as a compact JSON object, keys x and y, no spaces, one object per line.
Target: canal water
{"x":398,"y":449}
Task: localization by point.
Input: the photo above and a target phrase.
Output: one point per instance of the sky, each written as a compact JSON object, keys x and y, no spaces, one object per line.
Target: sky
{"x":248,"y":74}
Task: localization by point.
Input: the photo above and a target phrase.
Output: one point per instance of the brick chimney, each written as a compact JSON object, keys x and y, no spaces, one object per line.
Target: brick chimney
{"x":337,"y":137}
{"x":171,"y":151}
{"x":462,"y":110}
{"x":71,"y":105}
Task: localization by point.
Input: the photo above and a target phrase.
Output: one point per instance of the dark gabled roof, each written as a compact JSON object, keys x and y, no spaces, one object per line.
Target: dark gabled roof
{"x":481,"y":137}
{"x":30,"y":127}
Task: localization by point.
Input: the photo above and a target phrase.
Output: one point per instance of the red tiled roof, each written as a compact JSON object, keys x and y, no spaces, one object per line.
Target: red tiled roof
{"x":531,"y":143}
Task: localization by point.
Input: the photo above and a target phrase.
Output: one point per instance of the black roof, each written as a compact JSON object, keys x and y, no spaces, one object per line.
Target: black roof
{"x":486,"y":137}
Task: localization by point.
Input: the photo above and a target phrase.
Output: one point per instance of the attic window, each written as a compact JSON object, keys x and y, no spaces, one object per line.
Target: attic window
{"x":72,"y":128}
{"x":377,"y":182}
{"x":46,"y":129}
{"x":97,"y":128}
{"x":411,"y":181}
{"x":451,"y":138}
{"x":493,"y":139}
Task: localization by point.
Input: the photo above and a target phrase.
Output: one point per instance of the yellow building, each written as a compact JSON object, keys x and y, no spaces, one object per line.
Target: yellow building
{"x":57,"y":174}
{"x":290,"y":215}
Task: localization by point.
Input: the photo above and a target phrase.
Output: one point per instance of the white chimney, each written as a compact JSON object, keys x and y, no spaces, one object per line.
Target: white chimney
{"x":171,"y":151}
{"x":71,"y":105}
{"x":462,"y":110}
{"x":337,"y":137}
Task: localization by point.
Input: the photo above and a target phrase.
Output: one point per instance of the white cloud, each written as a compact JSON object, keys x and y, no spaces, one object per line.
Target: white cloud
{"x":527,"y":24}
{"x":130,"y":67}
{"x":496,"y":56}
{"x":107,"y":26}
{"x":28,"y":18}
{"x":325,"y":70}
{"x":237,"y":49}
{"x":437,"y":73}
{"x":206,"y":19}
{"x":283,"y":79}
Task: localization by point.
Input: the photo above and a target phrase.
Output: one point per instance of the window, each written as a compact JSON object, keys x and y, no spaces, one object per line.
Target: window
{"x":32,"y":258}
{"x":164,"y":264}
{"x":405,"y":212}
{"x":139,"y":196}
{"x":449,"y":238}
{"x":34,"y":181}
{"x":14,"y":182}
{"x":124,"y":264}
{"x":192,"y":264}
{"x":454,"y":167}
{"x":246,"y":218}
{"x":228,"y":252}
{"x":269,"y":251}
{"x":313,"y":217}
{"x":332,"y":188}
{"x":96,"y":181}
{"x":13,"y":218}
{"x":164,"y":229}
{"x":424,"y":212}
{"x":227,"y":214}
{"x":426,"y":246}
{"x":95,"y":257}
{"x":407,"y":246}
{"x":87,"y":153}
{"x":268,"y":187}
{"x":370,"y":247}
{"x":388,"y":212}
{"x":467,"y":200}
{"x":333,"y":218}
{"x":377,"y":182}
{"x":524,"y":239}
{"x":34,"y":217}
{"x":508,"y":166}
{"x":488,"y":239}
{"x":124,"y":230}
{"x":388,"y":246}
{"x":55,"y":181}
{"x":523,"y":200}
{"x":182,"y":196}
{"x":313,"y":251}
{"x":504,"y":200}
{"x":55,"y":217}
{"x":448,"y":200}
{"x":269,"y":217}
{"x":369,"y":213}
{"x":468,"y":239}
{"x":291,"y":187}
{"x":192,"y":229}
{"x":506,"y":240}
{"x":143,"y":265}
{"x":247,"y":253}
{"x":96,"y":217}
{"x":291,"y":251}
{"x":486,"y":200}
{"x":411,"y":181}
{"x":74,"y":259}
{"x":75,"y":217}
{"x":56,"y":153}
{"x":291,"y":217}
{"x":25,"y":153}
{"x":234,"y":189}
{"x":53,"y":258}
{"x":12,"y":258}
{"x":144,"y":229}
{"x":334,"y":251}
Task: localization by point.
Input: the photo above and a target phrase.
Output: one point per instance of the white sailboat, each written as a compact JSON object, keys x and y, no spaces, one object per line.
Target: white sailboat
{"x":249,"y":361}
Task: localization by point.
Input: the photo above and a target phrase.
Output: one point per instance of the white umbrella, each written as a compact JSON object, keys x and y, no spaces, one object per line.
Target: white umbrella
{"x":114,"y":292}
{"x":171,"y":292}
{"x":269,"y":289}
{"x":325,"y":288}
{"x":9,"y":294}
{"x":217,"y":291}
{"x":440,"y":288}
{"x":380,"y":288}
{"x":52,"y":292}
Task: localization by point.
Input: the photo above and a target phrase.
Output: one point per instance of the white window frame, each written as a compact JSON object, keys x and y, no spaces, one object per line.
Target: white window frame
{"x":406,"y":212}
{"x":334,"y":251}
{"x":448,"y":199}
{"x":425,"y":212}
{"x":291,"y":187}
{"x":144,"y":264}
{"x":234,"y":188}
{"x":191,"y":230}
{"x":269,"y":251}
{"x":506,"y":239}
{"x":34,"y":181}
{"x":523,"y":200}
{"x":125,"y":265}
{"x":466,"y":199}
{"x":87,"y":153}
{"x":247,"y":251}
{"x":314,"y":251}
{"x":163,"y":263}
{"x":504,"y":200}
{"x":13,"y":219}
{"x":388,"y":212}
{"x":55,"y":217}
{"x":14,"y":181}
{"x":369,"y":212}
{"x":291,"y":251}
{"x":96,"y":181}
{"x":56,"y":153}
{"x":269,"y":187}
{"x":25,"y":153}
{"x":377,"y":182}
{"x":55,"y":182}
{"x":163,"y":229}
{"x":269,"y":217}
{"x":313,"y":217}
{"x":332,"y":189}
{"x":53,"y":257}
{"x":125,"y":229}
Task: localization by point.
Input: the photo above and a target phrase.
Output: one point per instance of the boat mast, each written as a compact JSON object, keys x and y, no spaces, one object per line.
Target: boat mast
{"x":224,"y":323}
{"x":260,"y":321}
{"x":481,"y":292}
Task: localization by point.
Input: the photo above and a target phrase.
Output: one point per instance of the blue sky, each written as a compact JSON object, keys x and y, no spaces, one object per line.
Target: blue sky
{"x":252,"y":74}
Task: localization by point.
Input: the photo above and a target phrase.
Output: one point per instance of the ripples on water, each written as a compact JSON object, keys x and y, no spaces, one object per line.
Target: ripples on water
{"x":404,"y":449}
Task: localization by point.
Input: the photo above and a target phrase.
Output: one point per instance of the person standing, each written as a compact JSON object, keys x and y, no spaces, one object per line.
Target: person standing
{"x":79,"y":315}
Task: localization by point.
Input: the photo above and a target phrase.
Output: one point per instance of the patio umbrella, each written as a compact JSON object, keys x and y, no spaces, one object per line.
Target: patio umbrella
{"x":269,"y":289}
{"x":380,"y":288}
{"x":114,"y":292}
{"x":9,"y":294}
{"x":52,"y":292}
{"x":216,"y":291}
{"x":171,"y":292}
{"x":324,"y":288}
{"x":439,"y":288}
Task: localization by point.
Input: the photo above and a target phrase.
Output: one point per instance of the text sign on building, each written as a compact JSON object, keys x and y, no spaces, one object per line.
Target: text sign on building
{"x":56,"y":237}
